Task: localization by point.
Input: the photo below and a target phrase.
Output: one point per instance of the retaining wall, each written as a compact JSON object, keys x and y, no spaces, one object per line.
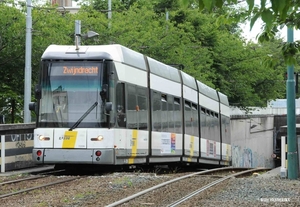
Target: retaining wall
{"x":252,"y":141}
{"x":16,"y":146}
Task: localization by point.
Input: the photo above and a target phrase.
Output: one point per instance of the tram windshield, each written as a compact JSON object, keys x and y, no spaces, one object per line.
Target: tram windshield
{"x":70,"y":95}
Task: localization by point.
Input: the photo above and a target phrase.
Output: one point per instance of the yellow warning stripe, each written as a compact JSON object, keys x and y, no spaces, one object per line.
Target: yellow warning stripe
{"x":69,"y":139}
{"x":133,"y":146}
{"x":191,"y":148}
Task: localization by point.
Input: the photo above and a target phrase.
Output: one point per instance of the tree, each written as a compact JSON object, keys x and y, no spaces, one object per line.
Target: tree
{"x":217,"y":56}
{"x":102,"y":5}
{"x":49,"y":27}
{"x":213,"y":53}
{"x":240,"y":72}
{"x":12,"y":55}
{"x":233,"y":66}
{"x":274,"y":13}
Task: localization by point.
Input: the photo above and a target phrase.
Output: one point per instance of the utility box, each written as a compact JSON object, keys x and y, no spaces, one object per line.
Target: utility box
{"x":283,"y":169}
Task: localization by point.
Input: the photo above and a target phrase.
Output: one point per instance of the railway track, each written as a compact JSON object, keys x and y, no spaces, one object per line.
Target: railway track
{"x":201,"y":182}
{"x":10,"y":188}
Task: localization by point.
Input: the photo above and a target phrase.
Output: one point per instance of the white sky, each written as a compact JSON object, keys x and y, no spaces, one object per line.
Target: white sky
{"x":251,"y":35}
{"x":257,"y":28}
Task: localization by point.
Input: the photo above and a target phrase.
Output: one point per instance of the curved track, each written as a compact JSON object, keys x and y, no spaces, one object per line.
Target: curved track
{"x":190,"y":195}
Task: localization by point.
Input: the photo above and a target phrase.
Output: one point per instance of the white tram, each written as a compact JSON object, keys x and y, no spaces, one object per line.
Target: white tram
{"x":110,"y":105}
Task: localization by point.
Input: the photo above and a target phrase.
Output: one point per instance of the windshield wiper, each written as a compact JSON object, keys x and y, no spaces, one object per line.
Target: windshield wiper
{"x":83,"y":116}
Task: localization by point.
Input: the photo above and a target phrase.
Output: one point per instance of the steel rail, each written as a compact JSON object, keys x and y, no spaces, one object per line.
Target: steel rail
{"x":36,"y":187}
{"x":185,"y":198}
{"x":20,"y":180}
{"x":171,"y":181}
{"x":41,"y":175}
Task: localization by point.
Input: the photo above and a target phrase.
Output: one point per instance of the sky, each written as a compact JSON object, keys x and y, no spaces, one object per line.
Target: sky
{"x":251,"y":35}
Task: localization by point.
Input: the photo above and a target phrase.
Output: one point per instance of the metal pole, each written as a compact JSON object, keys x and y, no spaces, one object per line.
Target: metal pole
{"x":2,"y":153}
{"x":292,"y":155}
{"x":109,"y":14}
{"x":78,"y":31}
{"x":27,"y":79}
{"x":167,"y":18}
{"x":167,"y":15}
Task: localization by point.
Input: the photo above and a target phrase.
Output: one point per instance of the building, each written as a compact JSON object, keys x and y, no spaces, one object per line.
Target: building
{"x":65,"y":6}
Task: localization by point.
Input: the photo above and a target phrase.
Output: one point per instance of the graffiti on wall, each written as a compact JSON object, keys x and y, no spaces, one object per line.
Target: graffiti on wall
{"x":245,"y":157}
{"x":247,"y":160}
{"x":20,"y":139}
{"x":242,"y":157}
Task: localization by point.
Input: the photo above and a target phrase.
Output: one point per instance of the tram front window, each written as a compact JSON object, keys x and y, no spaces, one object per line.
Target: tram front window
{"x":69,"y":89}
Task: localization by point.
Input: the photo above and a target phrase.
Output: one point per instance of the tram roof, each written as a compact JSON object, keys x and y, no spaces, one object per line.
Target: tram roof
{"x":114,"y":52}
{"x":207,"y":91}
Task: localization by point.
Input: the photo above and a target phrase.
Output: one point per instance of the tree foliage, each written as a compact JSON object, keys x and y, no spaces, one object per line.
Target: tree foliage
{"x":12,"y":63}
{"x":213,"y":52}
{"x":274,"y":13}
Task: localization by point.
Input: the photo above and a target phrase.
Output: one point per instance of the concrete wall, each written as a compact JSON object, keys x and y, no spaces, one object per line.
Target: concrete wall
{"x":16,"y":146}
{"x":16,"y":151}
{"x":252,"y":141}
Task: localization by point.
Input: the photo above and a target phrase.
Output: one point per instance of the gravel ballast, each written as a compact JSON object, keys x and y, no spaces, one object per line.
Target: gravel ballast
{"x":269,"y":190}
{"x":256,"y":191}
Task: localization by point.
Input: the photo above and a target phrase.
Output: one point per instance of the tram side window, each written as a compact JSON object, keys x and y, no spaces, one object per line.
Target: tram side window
{"x":188,"y":117}
{"x":120,"y":103}
{"x":202,"y":110}
{"x":142,"y":100}
{"x":156,"y":112}
{"x":164,"y":112}
{"x":171,"y":120}
{"x":217,"y":115}
{"x":131,"y":99}
{"x":137,"y":108}
{"x":203,"y":117}
{"x":177,"y":115}
{"x":195,"y":120}
{"x":131,"y":107}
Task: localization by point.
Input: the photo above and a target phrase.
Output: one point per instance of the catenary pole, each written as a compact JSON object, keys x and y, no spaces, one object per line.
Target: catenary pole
{"x":27,"y":79}
{"x":78,"y":31}
{"x":109,"y":13}
{"x":292,"y":155}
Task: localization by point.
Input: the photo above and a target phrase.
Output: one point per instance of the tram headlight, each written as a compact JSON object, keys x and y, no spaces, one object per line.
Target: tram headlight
{"x":43,"y":138}
{"x":99,"y":138}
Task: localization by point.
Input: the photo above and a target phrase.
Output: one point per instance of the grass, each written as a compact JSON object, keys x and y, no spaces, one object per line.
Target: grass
{"x":42,"y":203}
{"x":123,"y":181}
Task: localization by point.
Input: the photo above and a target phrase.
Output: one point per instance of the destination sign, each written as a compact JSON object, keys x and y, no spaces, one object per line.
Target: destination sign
{"x":80,"y":70}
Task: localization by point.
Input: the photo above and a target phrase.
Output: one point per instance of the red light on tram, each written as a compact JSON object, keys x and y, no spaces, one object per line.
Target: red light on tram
{"x":39,"y":153}
{"x":98,"y":153}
